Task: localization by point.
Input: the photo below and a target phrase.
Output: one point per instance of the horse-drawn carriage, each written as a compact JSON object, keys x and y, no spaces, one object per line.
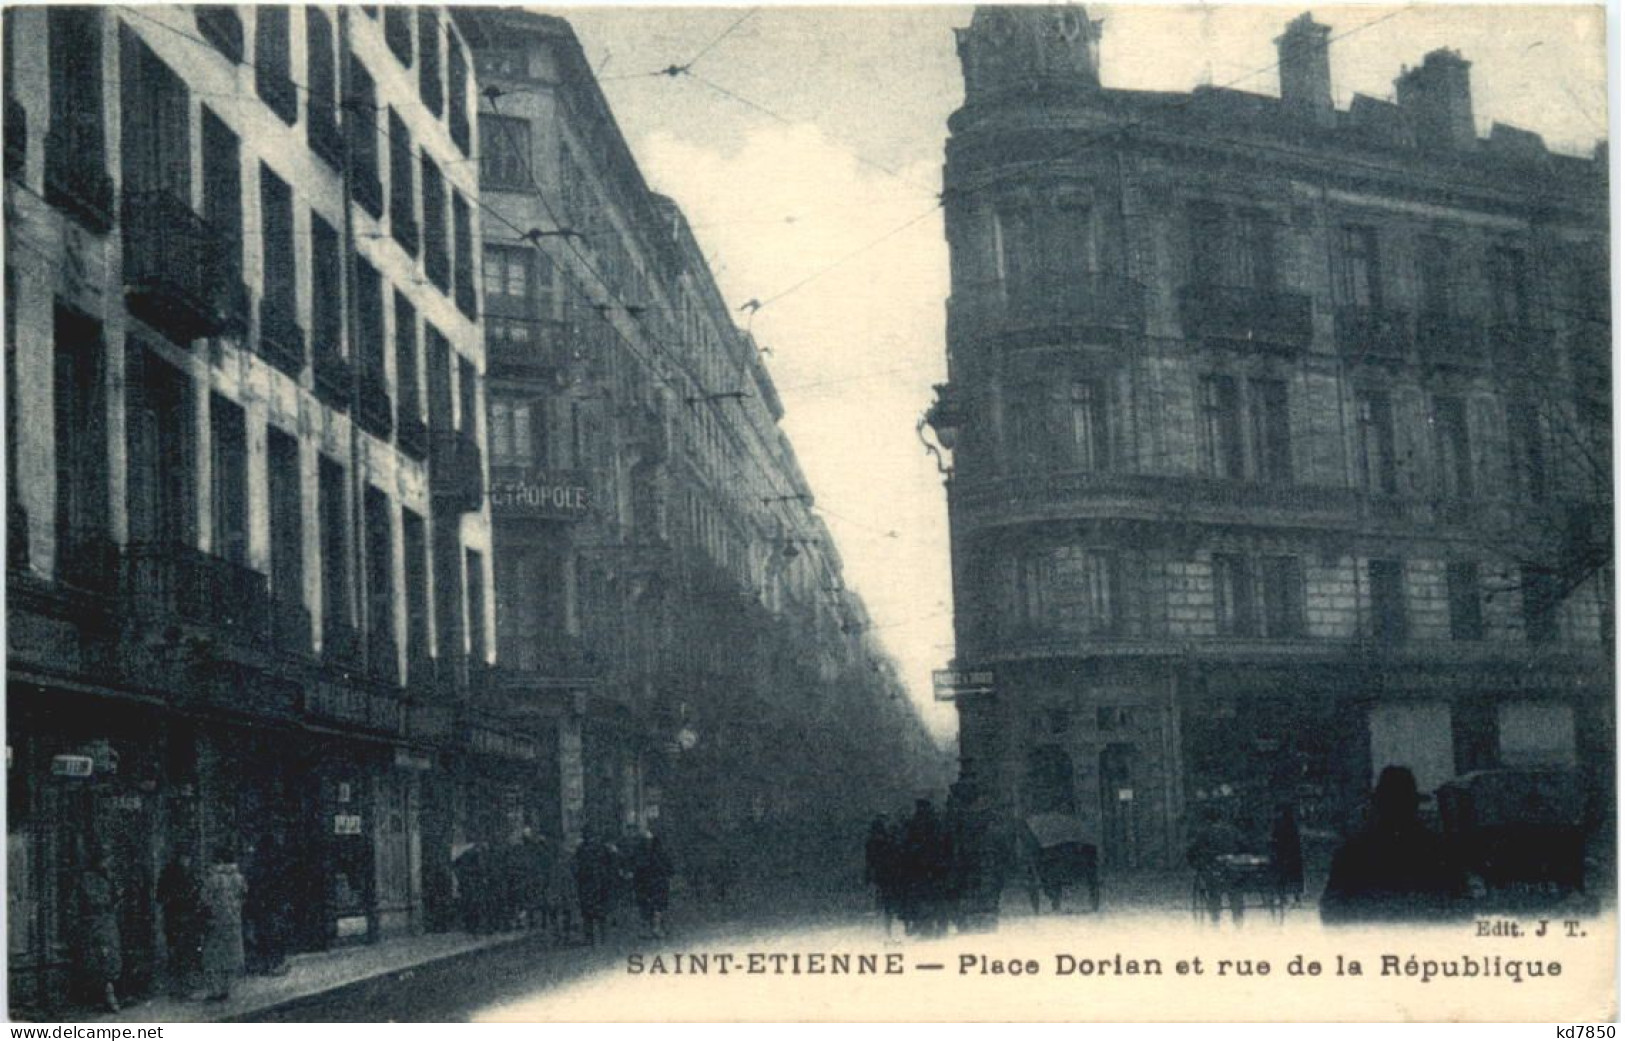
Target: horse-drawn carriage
{"x":1517,"y":835}
{"x":1056,"y":855}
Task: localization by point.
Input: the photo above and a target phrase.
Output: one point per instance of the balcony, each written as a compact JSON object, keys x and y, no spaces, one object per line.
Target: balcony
{"x":437,"y":265}
{"x":403,"y":225}
{"x":334,"y":376}
{"x":76,"y":179}
{"x":412,"y":435}
{"x":341,"y":645}
{"x":376,"y":413}
{"x":528,"y":348}
{"x":367,"y":189}
{"x":282,"y":339}
{"x":1073,"y":495}
{"x":322,"y":131}
{"x":531,"y":493}
{"x":276,"y":89}
{"x":88,"y":561}
{"x":171,"y":581}
{"x":1088,"y":305}
{"x":1519,"y":347}
{"x":1371,"y":334}
{"x":222,"y":26}
{"x":16,"y":138}
{"x":1249,"y":318}
{"x":291,"y":628}
{"x":383,"y":656}
{"x":456,"y":471}
{"x":179,"y":271}
{"x":1448,"y":340}
{"x":646,"y":431}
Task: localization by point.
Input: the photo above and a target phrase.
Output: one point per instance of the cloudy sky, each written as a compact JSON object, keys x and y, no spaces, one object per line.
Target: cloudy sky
{"x":806,"y":146}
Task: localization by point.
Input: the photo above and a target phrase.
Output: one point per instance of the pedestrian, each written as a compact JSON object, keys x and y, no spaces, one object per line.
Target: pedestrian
{"x":1215,"y":839}
{"x":268,"y":907}
{"x":651,"y":885}
{"x":1286,"y":855}
{"x":468,"y":876}
{"x":536,"y":863}
{"x":101,"y":955}
{"x":595,"y":876}
{"x":880,"y":868}
{"x":561,"y":891}
{"x":224,"y":891}
{"x":180,"y":895}
{"x":926,"y":857}
{"x":1394,"y":868}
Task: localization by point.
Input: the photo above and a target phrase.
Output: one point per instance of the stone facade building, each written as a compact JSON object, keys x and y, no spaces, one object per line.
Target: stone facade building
{"x":670,"y":609}
{"x":1281,"y":439}
{"x":249,"y":549}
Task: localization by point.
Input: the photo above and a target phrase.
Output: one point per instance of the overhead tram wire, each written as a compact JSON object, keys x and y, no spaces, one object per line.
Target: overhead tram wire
{"x":1118,"y":131}
{"x":704,"y":394}
{"x":522,"y":234}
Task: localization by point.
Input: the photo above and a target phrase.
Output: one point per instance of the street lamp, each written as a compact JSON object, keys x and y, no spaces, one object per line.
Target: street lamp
{"x":945,"y":417}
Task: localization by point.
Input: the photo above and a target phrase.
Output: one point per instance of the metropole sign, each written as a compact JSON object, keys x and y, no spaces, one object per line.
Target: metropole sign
{"x":951,"y":684}
{"x":535,"y":495}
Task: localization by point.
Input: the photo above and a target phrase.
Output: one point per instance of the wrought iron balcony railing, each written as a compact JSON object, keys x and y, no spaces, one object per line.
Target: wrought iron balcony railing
{"x":1263,"y":319}
{"x":282,"y":339}
{"x":181,"y":274}
{"x":456,"y":470}
{"x":76,"y":178}
{"x":1372,"y":334}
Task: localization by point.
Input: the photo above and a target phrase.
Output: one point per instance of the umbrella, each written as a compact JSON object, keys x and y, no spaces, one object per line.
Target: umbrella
{"x":1056,"y":829}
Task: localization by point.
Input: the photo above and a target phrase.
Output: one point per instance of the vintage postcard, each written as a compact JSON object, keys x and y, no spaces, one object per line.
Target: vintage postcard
{"x":933,"y":513}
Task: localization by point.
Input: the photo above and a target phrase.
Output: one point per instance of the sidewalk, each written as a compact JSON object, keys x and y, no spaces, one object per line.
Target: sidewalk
{"x":312,"y":974}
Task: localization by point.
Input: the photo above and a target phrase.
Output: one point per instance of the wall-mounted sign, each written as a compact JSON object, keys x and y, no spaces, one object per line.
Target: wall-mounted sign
{"x":534,"y":495}
{"x":72,"y":766}
{"x":948,"y":684}
{"x":347,"y":824}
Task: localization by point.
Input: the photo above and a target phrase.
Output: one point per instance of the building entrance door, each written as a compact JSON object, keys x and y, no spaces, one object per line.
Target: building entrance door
{"x":1119,"y":767}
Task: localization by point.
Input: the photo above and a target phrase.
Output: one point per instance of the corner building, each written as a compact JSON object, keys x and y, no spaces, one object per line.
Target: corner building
{"x":1281,"y":439}
{"x":248,"y":540}
{"x":672,"y":613}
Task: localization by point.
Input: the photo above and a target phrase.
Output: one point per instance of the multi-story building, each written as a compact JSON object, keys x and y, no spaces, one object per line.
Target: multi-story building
{"x":249,"y":540}
{"x":670,"y":610}
{"x":1281,"y":438}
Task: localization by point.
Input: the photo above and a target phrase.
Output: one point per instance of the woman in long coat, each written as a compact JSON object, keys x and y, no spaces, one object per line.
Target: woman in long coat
{"x":223,"y":894}
{"x":100,"y":948}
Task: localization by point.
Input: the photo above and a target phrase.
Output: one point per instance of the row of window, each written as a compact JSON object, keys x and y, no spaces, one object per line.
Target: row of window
{"x":162,"y":473}
{"x":222,"y":27}
{"x":1244,"y":432}
{"x":1035,"y":246}
{"x":156,"y":146}
{"x":1096,"y":592}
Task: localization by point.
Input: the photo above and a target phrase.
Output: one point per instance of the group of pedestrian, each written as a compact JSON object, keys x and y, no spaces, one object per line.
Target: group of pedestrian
{"x":910,"y":867}
{"x":513,"y":885}
{"x":203,"y":925}
{"x":603,"y":871}
{"x":529,"y":884}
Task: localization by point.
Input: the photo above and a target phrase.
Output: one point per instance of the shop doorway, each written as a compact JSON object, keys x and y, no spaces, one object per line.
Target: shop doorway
{"x":1119,"y":771}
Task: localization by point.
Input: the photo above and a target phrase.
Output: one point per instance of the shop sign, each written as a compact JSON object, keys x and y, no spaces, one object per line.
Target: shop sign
{"x":128,"y":803}
{"x":347,"y":824}
{"x":948,"y":684}
{"x":407,"y":759}
{"x":497,"y":743}
{"x":558,"y":495}
{"x":72,"y":766}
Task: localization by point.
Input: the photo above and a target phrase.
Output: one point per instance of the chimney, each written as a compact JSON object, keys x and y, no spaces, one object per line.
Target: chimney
{"x":1437,"y":98}
{"x":1306,"y":70}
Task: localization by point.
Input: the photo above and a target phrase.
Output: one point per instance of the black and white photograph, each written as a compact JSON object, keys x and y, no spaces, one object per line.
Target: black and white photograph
{"x":1033,"y":512}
